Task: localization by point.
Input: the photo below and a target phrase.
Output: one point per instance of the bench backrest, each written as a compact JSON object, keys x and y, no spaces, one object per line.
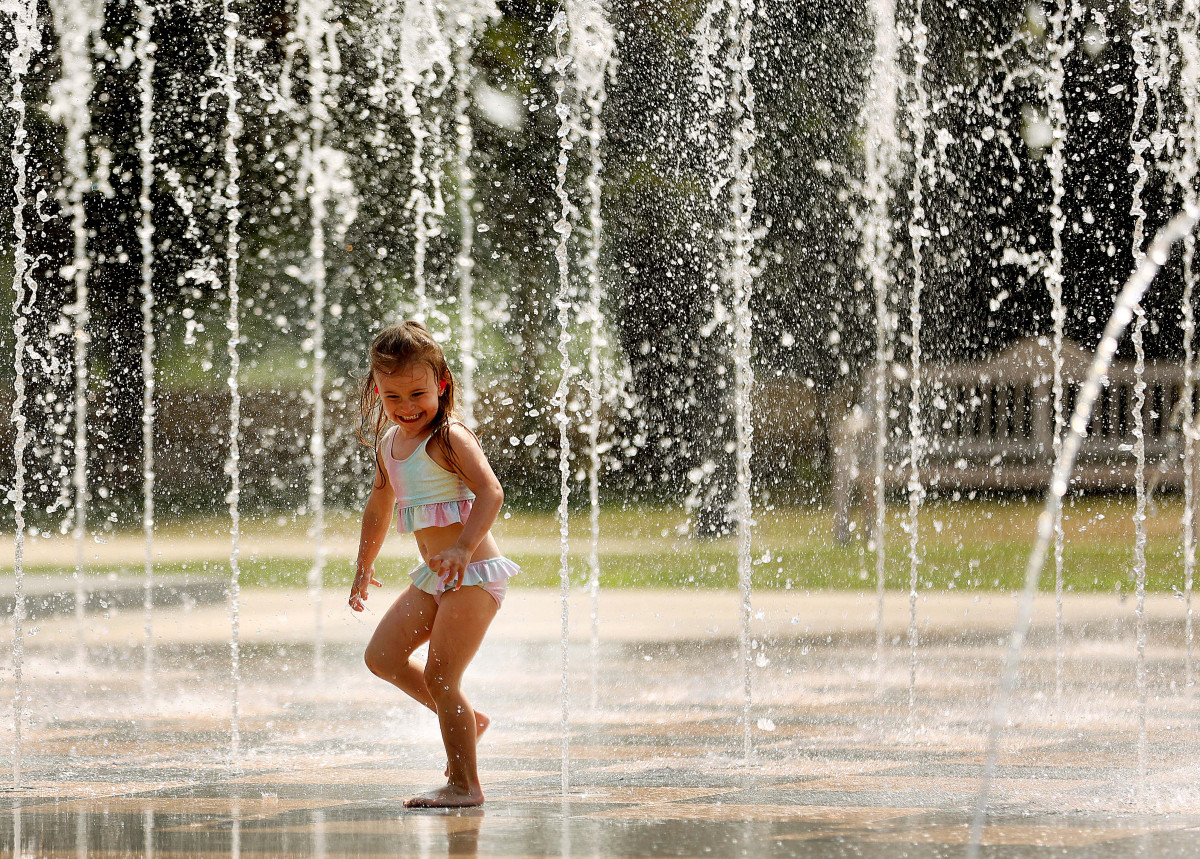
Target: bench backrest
{"x":976,"y":416}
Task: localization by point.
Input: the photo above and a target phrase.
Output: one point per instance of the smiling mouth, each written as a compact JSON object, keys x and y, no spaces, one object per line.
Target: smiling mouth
{"x":411,"y":420}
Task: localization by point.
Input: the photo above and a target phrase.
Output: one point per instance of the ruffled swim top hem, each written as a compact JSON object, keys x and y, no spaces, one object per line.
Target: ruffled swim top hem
{"x":433,"y":515}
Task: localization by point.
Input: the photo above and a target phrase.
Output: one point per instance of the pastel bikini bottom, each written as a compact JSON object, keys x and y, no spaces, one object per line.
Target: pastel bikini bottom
{"x":491,"y":574}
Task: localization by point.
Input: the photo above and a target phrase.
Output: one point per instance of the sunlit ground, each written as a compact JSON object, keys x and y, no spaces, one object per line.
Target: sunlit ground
{"x":961,"y":545}
{"x":866,"y":741}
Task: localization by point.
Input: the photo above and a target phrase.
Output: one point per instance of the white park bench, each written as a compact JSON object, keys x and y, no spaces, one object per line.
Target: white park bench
{"x":989,"y":425}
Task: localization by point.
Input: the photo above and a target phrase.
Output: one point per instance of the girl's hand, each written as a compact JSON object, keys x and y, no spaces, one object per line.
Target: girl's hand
{"x":451,"y":565}
{"x":363,"y":577}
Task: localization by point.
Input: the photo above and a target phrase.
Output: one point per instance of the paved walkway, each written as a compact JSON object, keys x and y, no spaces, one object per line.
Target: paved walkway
{"x":200,"y":613}
{"x":848,"y":756}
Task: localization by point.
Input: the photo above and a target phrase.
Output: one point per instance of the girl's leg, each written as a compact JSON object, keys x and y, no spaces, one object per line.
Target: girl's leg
{"x":404,"y":627}
{"x":458,"y":629}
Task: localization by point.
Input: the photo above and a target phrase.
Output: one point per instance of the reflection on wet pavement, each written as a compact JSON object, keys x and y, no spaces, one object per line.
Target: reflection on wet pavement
{"x":111,"y":768}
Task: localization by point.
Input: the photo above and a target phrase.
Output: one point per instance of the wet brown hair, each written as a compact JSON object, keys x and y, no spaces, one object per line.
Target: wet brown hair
{"x":393,"y":349}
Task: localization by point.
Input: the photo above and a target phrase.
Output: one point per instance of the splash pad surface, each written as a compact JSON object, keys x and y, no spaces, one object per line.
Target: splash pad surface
{"x":857,"y":738}
{"x":840,"y":764}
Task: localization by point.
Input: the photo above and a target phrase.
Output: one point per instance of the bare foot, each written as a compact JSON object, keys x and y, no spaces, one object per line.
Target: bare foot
{"x":450,"y":796}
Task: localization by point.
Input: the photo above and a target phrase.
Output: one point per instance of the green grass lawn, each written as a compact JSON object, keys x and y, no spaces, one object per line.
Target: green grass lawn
{"x":978,"y":545}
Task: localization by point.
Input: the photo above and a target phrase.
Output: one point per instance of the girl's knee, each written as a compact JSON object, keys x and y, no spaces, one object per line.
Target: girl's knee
{"x":371,"y":658}
{"x":434,"y":680}
{"x":378,"y":661}
{"x":439,"y":683}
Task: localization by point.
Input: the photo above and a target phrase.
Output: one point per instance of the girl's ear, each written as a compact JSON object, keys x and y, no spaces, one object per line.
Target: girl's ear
{"x":442,"y":388}
{"x":376,"y":389}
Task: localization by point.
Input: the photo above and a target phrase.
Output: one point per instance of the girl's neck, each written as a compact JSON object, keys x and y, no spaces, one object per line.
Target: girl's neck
{"x":415,"y":438}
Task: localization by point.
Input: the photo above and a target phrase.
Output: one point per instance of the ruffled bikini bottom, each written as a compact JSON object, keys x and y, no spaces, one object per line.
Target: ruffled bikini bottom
{"x":491,"y":574}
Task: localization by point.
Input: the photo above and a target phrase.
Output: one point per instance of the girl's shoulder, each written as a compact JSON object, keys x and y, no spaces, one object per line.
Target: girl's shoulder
{"x":456,"y":437}
{"x":450,"y":442}
{"x":384,"y":447}
{"x":460,"y":432}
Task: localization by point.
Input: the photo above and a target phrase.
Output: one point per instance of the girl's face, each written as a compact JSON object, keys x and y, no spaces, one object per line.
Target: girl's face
{"x":409,"y":397}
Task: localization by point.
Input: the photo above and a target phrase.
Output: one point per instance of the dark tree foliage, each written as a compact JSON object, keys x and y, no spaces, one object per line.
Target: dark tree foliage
{"x":666,"y":233}
{"x":656,"y":209}
{"x":811,"y":68}
{"x":986,"y":203}
{"x":515,"y":195}
{"x":991,"y":191}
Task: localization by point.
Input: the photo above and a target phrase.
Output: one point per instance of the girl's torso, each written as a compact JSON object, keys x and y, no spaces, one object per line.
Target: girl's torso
{"x":432,"y":498}
{"x":432,"y":540}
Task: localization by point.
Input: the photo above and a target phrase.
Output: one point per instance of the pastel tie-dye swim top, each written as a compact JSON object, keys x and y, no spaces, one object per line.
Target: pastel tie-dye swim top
{"x":427,"y":494}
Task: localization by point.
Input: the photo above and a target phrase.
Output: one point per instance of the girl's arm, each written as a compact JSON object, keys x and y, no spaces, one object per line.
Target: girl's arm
{"x":377,"y":519}
{"x":477,"y":474}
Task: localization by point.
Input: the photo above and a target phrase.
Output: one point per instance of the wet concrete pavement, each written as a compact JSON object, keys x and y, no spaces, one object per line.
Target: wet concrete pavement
{"x":118,"y":762}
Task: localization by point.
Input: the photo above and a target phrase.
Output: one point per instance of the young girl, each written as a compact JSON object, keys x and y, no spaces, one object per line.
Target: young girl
{"x":433,"y":468}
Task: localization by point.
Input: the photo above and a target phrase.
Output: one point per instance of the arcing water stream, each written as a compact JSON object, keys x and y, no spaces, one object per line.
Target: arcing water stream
{"x":1127,"y":301}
